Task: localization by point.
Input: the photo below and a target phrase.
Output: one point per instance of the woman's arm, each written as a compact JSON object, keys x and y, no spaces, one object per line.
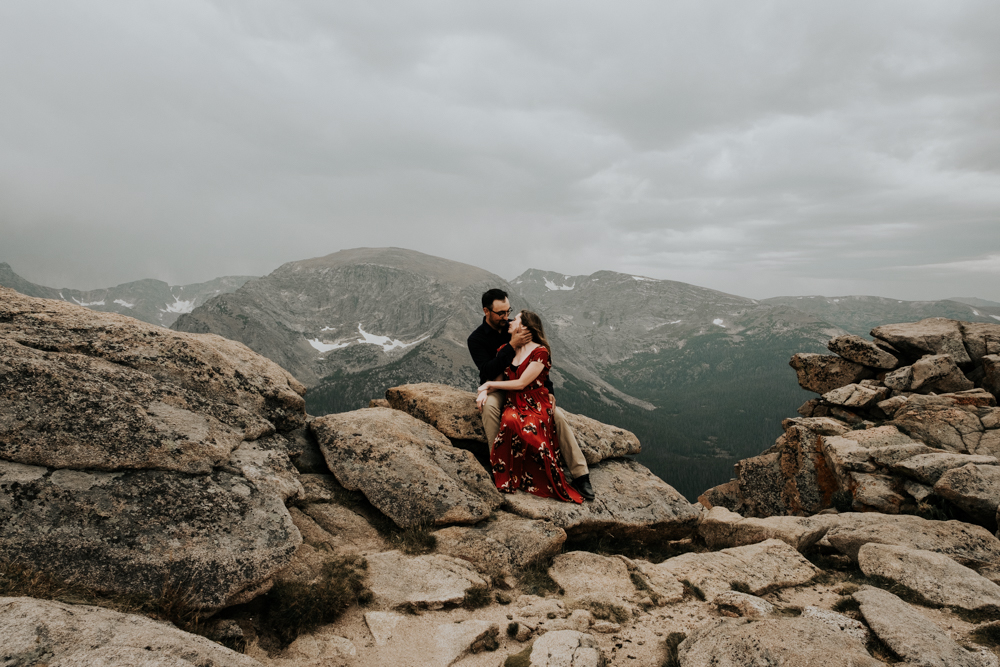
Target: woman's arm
{"x":531,"y":373}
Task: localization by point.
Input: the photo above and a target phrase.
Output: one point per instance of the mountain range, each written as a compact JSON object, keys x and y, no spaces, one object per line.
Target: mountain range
{"x":700,"y":376}
{"x":152,"y":301}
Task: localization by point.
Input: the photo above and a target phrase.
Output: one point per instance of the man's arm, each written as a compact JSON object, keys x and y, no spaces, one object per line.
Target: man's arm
{"x":489,"y":362}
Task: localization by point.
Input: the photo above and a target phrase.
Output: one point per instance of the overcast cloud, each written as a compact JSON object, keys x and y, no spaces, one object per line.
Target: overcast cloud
{"x":759,"y":148}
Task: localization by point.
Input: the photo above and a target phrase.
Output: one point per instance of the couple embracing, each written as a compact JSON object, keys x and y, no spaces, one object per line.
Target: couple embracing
{"x":528,"y":437}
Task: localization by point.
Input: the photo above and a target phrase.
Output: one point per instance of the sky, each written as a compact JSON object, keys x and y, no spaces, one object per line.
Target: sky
{"x":757,"y":148}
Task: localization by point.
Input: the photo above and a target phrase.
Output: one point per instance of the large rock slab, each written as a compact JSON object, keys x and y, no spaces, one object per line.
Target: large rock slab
{"x":211,"y":536}
{"x":991,"y":374}
{"x":822,"y":373}
{"x":406,"y":468}
{"x":453,"y":640}
{"x":948,"y":422}
{"x":430,"y":581}
{"x":974,"y":488}
{"x":963,"y":542}
{"x":940,"y":373}
{"x":631,"y":502}
{"x":348,"y":530}
{"x":739,"y":642}
{"x":42,"y":632}
{"x":856,"y":396}
{"x":221,"y":371}
{"x":935,"y":335}
{"x":449,"y":410}
{"x":911,"y":635}
{"x":981,"y":339}
{"x":721,"y":528}
{"x":927,"y":468}
{"x":861,"y":351}
{"x":503,"y":544}
{"x":761,"y":567}
{"x":935,"y":576}
{"x":565,"y":648}
{"x":595,"y":581}
{"x":599,"y":441}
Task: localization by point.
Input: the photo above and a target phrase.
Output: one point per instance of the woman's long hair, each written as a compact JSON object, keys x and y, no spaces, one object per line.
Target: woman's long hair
{"x":533,"y":323}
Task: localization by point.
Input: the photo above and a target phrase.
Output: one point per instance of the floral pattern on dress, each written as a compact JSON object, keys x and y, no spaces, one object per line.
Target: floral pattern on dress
{"x":525,"y":456}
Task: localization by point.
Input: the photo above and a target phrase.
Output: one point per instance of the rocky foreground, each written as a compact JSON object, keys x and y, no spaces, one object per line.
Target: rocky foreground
{"x":148,"y":475}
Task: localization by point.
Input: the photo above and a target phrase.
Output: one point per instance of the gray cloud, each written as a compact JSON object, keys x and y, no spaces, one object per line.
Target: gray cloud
{"x":756,"y":148}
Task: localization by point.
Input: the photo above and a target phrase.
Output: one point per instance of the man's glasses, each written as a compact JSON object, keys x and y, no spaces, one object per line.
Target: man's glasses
{"x":502,"y":313}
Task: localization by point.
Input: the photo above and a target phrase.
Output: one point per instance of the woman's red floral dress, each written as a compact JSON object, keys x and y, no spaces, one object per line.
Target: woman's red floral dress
{"x":524,"y":455}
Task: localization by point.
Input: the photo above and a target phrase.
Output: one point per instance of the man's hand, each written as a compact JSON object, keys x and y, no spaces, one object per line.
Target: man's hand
{"x":520,"y":338}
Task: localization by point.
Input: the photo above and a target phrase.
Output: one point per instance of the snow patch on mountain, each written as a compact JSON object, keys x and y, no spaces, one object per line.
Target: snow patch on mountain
{"x":326,"y":347}
{"x":386,"y":342}
{"x":718,"y":322}
{"x":179,"y":306}
{"x":552,"y":286}
{"x":123,"y":302}
{"x":87,"y":304}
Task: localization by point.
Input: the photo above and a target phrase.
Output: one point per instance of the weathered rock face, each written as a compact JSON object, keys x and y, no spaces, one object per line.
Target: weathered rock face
{"x":911,"y":635}
{"x":935,"y":335}
{"x":721,"y":528}
{"x":861,"y":351}
{"x":502,"y":545}
{"x":592,"y":580}
{"x":761,"y":567}
{"x":822,"y":373}
{"x":631,"y":502}
{"x":964,"y":543}
{"x":449,"y":410}
{"x":425,"y":581}
{"x":565,"y":648}
{"x":133,"y":457}
{"x":772,"y":641}
{"x":406,"y":468}
{"x":951,"y":421}
{"x":139,"y":531}
{"x":974,"y":488}
{"x":215,"y":368}
{"x":37,"y":632}
{"x":453,"y":412}
{"x":935,"y":576}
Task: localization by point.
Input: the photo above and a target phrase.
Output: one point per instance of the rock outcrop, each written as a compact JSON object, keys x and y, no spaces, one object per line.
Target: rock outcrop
{"x":918,"y":433}
{"x":136,"y":459}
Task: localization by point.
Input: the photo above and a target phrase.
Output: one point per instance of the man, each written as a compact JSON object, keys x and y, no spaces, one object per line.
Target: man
{"x":492,"y":350}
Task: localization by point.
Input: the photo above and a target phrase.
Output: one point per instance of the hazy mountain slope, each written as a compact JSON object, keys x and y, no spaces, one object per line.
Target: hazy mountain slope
{"x":973,"y":301}
{"x":861,"y":314}
{"x":152,"y":301}
{"x":352,"y":324}
{"x":715,"y":365}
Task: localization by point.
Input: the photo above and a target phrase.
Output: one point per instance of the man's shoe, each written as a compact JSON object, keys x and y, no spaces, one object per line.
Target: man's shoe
{"x":582,"y":484}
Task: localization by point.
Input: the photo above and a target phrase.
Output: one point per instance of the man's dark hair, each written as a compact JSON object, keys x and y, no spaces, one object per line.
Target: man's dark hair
{"x":495,"y":294}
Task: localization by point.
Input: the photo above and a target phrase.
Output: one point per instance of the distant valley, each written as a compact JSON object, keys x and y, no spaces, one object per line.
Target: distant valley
{"x":700,"y":376}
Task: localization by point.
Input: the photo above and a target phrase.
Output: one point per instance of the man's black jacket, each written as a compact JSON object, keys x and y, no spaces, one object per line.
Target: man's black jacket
{"x":492,"y":353}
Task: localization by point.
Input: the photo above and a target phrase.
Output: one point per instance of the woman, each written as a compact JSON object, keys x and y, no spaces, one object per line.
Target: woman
{"x":525,"y":454}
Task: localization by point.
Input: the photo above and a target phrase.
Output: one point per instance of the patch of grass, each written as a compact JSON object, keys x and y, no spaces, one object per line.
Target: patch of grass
{"x":415,"y":540}
{"x":476,"y":597}
{"x":987,"y":635}
{"x":535,"y":579}
{"x":670,"y":644}
{"x":503,"y":597}
{"x":880,"y":650}
{"x":293,"y":608}
{"x":692,"y":590}
{"x":740,"y":587}
{"x":790,"y":611}
{"x":847,"y":589}
{"x":603,"y":610}
{"x":639,"y":582}
{"x":846,"y":605}
{"x":522,"y":659}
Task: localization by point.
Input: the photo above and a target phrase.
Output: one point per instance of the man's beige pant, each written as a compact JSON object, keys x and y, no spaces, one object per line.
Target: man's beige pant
{"x":568,"y":447}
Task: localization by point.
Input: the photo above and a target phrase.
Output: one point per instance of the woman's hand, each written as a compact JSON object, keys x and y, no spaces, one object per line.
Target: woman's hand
{"x":485,"y":387}
{"x":481,"y":400}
